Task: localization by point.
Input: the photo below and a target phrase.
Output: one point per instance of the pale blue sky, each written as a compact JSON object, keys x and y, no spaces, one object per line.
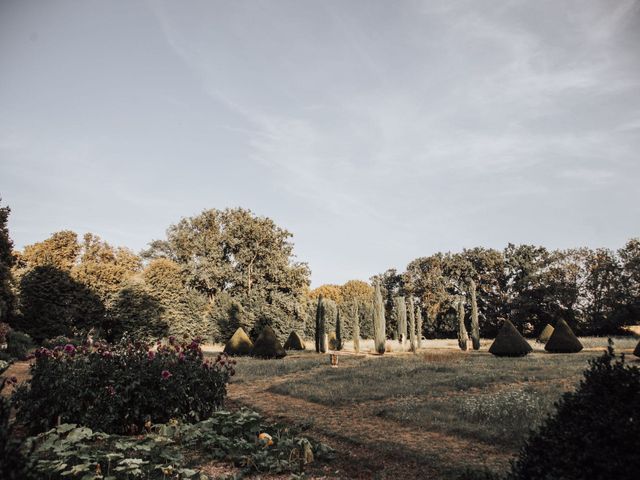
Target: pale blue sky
{"x":375,"y":131}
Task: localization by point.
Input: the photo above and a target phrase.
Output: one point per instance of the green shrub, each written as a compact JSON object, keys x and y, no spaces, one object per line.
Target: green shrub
{"x":60,"y":340}
{"x":267,"y":345}
{"x":69,"y":451}
{"x":594,"y":432}
{"x":239,"y":344}
{"x":118,"y":388}
{"x":18,"y":344}
{"x":563,"y":340}
{"x":13,"y":463}
{"x":509,"y":342}
{"x":294,"y":342}
{"x":4,"y":330}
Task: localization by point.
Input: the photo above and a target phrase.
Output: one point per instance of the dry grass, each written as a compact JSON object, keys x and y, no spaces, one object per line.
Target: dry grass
{"x":469,"y":394}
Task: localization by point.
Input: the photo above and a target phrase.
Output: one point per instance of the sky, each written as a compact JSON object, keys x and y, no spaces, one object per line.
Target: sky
{"x":375,"y":131}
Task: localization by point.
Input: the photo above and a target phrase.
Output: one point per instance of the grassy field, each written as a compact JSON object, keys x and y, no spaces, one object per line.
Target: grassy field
{"x":469,"y":397}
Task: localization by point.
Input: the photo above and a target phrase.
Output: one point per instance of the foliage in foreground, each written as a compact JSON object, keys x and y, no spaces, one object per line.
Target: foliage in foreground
{"x":170,"y":450}
{"x":594,"y":434}
{"x":119,"y":388}
{"x":13,"y":463}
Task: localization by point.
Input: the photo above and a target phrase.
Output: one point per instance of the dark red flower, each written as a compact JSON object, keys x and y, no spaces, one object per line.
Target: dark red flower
{"x":166,"y":374}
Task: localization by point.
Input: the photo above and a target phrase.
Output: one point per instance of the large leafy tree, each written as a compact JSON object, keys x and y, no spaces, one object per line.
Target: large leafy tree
{"x":526,"y":289}
{"x":52,"y":303}
{"x":236,"y":254}
{"x":7,"y":261}
{"x":60,"y":250}
{"x":603,"y":292}
{"x":103,"y":268}
{"x":65,"y":285}
{"x":328,"y":291}
{"x":232,"y":251}
{"x":182,"y":309}
{"x":629,"y":257}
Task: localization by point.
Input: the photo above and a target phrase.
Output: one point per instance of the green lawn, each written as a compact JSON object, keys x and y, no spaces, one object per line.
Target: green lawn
{"x":473,"y":394}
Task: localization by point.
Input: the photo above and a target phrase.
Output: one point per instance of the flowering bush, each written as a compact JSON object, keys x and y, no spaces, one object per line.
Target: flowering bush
{"x":120,"y":388}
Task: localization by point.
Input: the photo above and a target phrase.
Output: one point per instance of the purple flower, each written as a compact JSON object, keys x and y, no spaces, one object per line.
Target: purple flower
{"x":181,"y":357}
{"x":110,"y":390}
{"x":166,"y":374}
{"x":70,"y":349}
{"x":172,"y":339}
{"x":151,"y":354}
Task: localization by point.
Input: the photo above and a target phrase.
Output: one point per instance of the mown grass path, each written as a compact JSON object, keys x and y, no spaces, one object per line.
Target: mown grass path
{"x":369,"y":446}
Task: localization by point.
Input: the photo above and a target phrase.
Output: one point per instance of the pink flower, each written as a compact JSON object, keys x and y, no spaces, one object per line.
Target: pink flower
{"x":70,"y":349}
{"x":166,"y":374}
{"x":151,"y":355}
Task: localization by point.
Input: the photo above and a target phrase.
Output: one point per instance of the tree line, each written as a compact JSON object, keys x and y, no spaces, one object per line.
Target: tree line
{"x":224,"y":269}
{"x":596,"y":291}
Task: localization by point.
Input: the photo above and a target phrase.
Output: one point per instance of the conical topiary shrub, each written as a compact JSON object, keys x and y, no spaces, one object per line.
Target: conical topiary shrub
{"x":294,"y":342}
{"x":400,"y":314}
{"x":267,"y":345}
{"x":545,"y":335}
{"x":509,"y":342}
{"x":239,"y":343}
{"x":636,"y":352}
{"x":563,"y":340}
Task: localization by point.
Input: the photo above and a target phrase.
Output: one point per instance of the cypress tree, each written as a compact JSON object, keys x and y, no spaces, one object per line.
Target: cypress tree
{"x":356,"y":330}
{"x":379,"y":334}
{"x":412,"y":325}
{"x":321,"y":338}
{"x":463,"y":336}
{"x":338,"y":331}
{"x":419,"y":326}
{"x":323,"y":332}
{"x":475,"y":327}
{"x":400,"y":312}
